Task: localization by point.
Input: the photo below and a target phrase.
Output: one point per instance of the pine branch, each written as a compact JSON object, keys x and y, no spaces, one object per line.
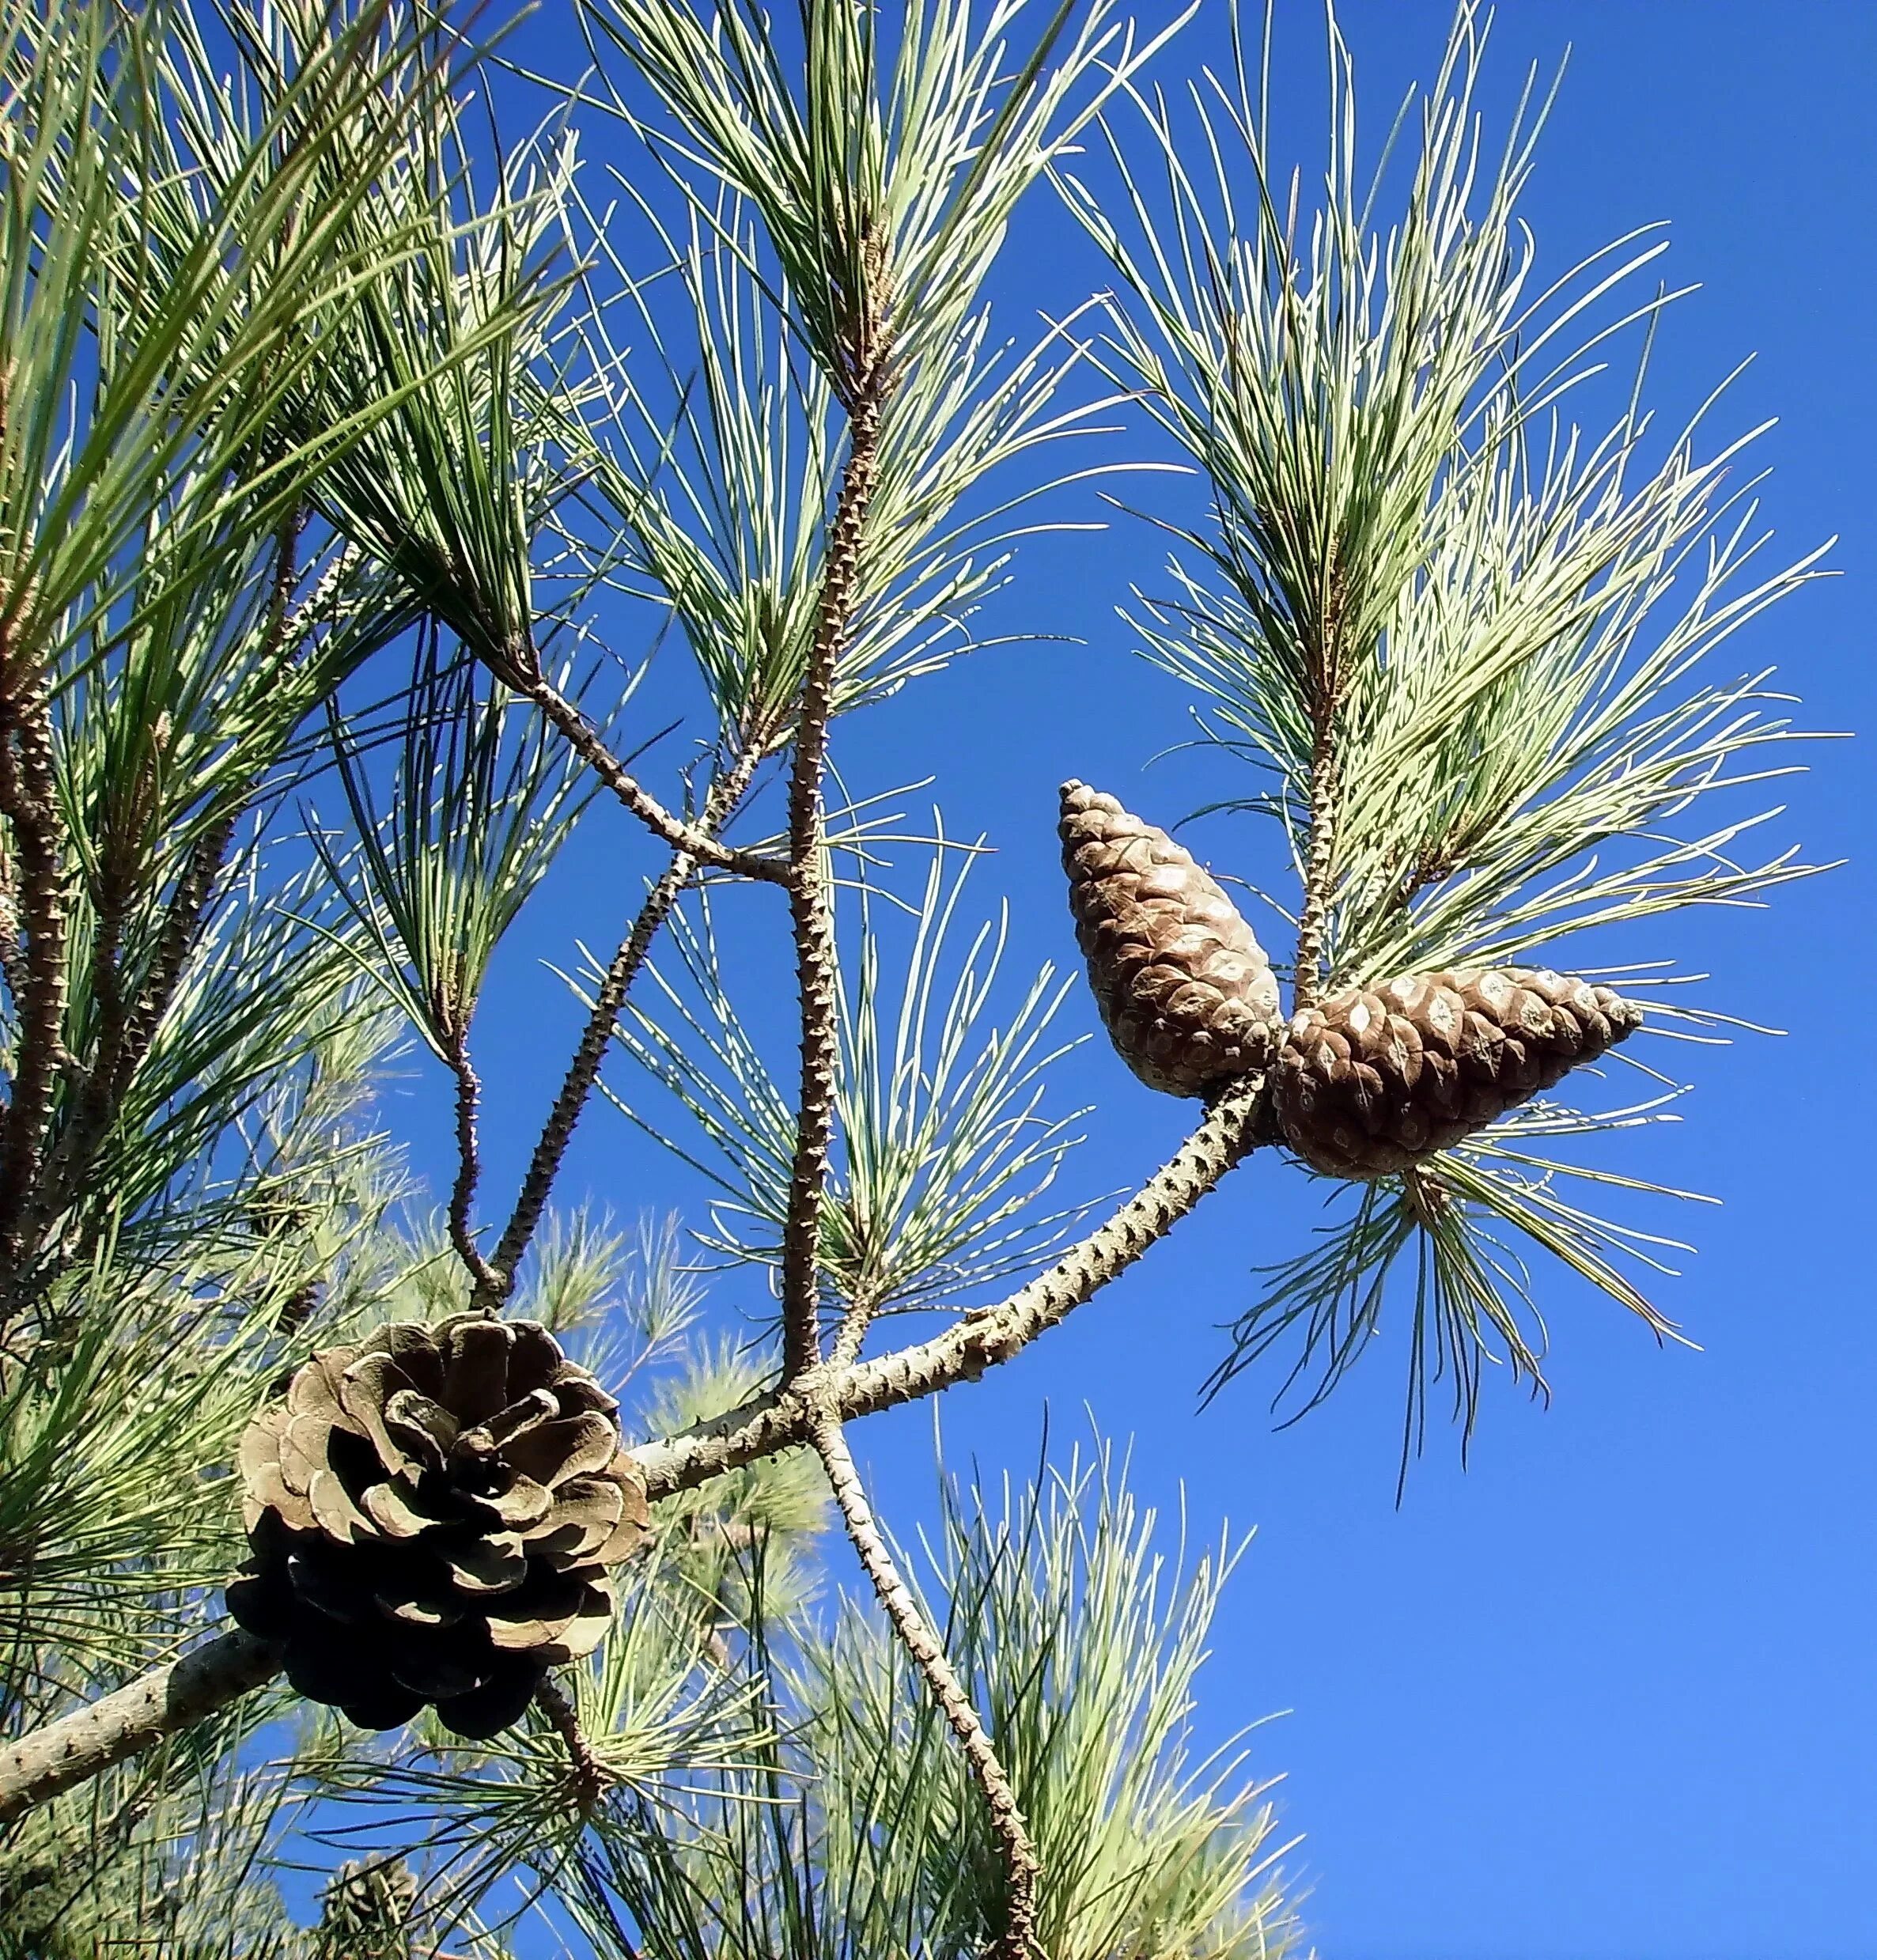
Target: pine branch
{"x":12,"y":948}
{"x":75,"y":1152}
{"x":131,"y":1719}
{"x":128,"y":1027}
{"x":189,"y":907}
{"x":587,"y":741}
{"x":720,"y":804}
{"x":29,"y":802}
{"x":779,"y":1420}
{"x":79,"y":1745}
{"x":1323,"y":682}
{"x":811,"y":908}
{"x":1017,"y":1940}
{"x":114,"y":892}
{"x":1318,"y":873}
{"x":188,"y":913}
{"x":590,"y":1775}
{"x":484,"y":1277}
{"x":850,"y":1335}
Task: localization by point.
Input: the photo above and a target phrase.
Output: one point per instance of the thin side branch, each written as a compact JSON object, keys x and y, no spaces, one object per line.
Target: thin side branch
{"x":720,"y":804}
{"x":188,"y":913}
{"x":189,"y":904}
{"x":134,"y":1718}
{"x":483,"y":1276}
{"x":1318,"y":873}
{"x":1325,"y":669}
{"x":128,"y":1027}
{"x":113,"y":896}
{"x":1017,"y":1940}
{"x":810,"y":904}
{"x":127,"y":1036}
{"x":587,"y":741}
{"x":590,"y":1776}
{"x":850,"y":1335}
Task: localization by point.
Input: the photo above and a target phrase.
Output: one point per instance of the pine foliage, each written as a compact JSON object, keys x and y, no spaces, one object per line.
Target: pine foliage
{"x":343,"y":419}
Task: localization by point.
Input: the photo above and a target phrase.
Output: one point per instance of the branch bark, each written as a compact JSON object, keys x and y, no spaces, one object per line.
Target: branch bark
{"x":811,"y":910}
{"x":851,"y":1334}
{"x":131,"y":1719}
{"x":128,"y":1027}
{"x":189,"y":905}
{"x":779,"y":1419}
{"x":12,"y":946}
{"x":29,"y":801}
{"x":1318,"y":873}
{"x":1324,"y":666}
{"x":483,"y":1276}
{"x":590,"y":746}
{"x":1017,"y":1939}
{"x":588,"y":1775}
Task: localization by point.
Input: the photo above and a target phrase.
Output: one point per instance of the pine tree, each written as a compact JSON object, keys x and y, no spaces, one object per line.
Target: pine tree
{"x":332,"y":435}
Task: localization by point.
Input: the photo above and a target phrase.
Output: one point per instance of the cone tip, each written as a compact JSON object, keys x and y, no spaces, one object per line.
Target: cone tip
{"x":1078,"y":796}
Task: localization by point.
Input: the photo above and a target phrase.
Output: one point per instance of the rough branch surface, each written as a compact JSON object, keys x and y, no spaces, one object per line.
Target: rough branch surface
{"x":810,"y":901}
{"x":132,"y":1719}
{"x":948,"y":1693}
{"x":586,"y":742}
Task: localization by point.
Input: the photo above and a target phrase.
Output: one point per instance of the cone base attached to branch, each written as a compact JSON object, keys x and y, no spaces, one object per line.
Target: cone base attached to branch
{"x":1378,"y":1078}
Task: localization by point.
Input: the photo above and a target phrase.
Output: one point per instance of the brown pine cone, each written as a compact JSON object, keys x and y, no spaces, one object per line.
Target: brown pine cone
{"x":366,"y":1911}
{"x":1374,"y":1079}
{"x":1184,"y":990}
{"x":432,"y":1514}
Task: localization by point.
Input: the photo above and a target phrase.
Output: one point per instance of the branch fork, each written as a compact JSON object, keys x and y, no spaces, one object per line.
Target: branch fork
{"x":695,"y":840}
{"x":493,"y":1276}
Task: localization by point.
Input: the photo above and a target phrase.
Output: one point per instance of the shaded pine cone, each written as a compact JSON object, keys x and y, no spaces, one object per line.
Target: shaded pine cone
{"x":366,"y":1912}
{"x":1184,"y":990}
{"x":432,"y":1516}
{"x":1374,"y":1079}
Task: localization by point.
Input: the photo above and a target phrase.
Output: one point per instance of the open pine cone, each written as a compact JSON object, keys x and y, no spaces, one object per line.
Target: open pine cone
{"x":1375,"y":1079}
{"x":1184,"y":990}
{"x":432,"y":1514}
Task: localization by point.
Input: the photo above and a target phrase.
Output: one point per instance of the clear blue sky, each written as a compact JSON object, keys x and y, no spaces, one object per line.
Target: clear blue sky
{"x":1608,"y":1695}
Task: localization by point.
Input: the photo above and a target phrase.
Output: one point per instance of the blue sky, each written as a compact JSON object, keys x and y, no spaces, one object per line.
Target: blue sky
{"x":1608,"y":1694}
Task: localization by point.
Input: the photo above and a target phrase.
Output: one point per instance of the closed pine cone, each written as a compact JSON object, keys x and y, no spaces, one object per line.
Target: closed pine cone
{"x":432,"y":1514}
{"x":1374,"y":1079}
{"x":1184,"y":990}
{"x":366,"y":1912}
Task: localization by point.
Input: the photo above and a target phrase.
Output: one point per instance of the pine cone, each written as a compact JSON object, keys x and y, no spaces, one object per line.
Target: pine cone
{"x":432,"y":1514}
{"x":1184,"y":990}
{"x":1374,"y":1079}
{"x":366,"y":1912}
